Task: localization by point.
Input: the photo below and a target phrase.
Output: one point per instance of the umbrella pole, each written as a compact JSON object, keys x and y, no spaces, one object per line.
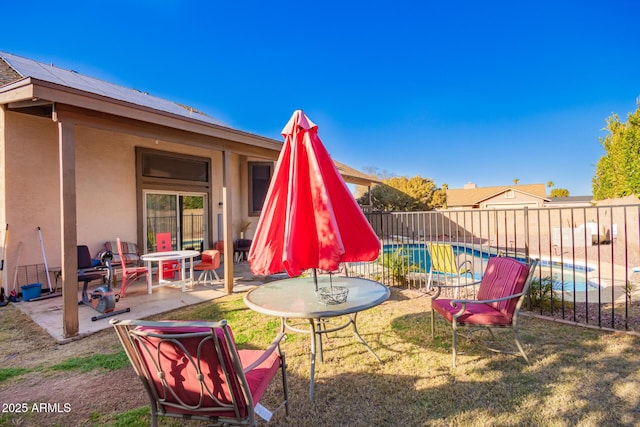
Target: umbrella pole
{"x":315,"y":278}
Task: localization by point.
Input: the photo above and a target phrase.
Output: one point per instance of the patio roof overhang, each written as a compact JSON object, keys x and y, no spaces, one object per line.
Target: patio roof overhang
{"x":71,"y":107}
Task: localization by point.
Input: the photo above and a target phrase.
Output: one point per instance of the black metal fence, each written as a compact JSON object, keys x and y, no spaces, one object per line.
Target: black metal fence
{"x":588,"y":255}
{"x":192,"y":230}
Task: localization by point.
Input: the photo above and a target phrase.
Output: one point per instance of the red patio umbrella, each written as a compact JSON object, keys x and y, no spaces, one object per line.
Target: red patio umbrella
{"x":310,"y":218}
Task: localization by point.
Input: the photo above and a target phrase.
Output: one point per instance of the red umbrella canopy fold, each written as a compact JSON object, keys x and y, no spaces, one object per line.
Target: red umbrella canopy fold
{"x":310,"y":218}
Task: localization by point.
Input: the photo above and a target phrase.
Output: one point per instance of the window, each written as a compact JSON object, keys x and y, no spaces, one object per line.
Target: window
{"x":510,"y":194}
{"x":259,"y":180}
{"x":175,"y":190}
{"x":164,"y":165}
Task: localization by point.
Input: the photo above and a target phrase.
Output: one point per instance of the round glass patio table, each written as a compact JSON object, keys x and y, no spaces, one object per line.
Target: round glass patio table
{"x":297,"y":299}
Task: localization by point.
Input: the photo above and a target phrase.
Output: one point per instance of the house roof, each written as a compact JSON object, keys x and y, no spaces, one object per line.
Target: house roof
{"x":475,"y":196}
{"x":16,"y":72}
{"x":23,"y":68}
{"x":355,"y":176}
{"x":8,"y":74}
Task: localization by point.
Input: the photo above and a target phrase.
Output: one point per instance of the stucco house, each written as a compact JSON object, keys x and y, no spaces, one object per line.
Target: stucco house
{"x":88,"y":161}
{"x":504,"y":196}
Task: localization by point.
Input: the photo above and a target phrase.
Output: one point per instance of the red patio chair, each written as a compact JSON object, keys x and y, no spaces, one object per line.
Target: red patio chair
{"x":193,"y":370}
{"x":504,"y":286}
{"x":170,"y":269}
{"x":130,"y":273}
{"x":207,"y":267}
{"x":220,"y":247}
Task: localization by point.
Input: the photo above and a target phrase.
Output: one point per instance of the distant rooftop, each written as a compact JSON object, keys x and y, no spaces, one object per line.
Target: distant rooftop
{"x":572,"y":199}
{"x":471,"y":194}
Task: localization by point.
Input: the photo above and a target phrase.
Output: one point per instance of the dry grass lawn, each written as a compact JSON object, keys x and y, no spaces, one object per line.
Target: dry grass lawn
{"x":578,"y":376}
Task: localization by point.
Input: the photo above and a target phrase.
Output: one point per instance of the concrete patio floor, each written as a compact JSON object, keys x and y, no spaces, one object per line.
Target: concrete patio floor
{"x":47,"y":313}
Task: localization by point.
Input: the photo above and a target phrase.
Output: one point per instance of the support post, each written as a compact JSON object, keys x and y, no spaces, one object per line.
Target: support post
{"x":68,"y":223}
{"x":227,"y":231}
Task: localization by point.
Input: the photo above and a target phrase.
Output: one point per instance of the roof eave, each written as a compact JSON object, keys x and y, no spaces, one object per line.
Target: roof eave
{"x":16,"y":91}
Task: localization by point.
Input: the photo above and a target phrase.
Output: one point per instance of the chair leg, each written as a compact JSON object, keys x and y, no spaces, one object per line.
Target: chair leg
{"x":285,"y":386}
{"x":208,"y":282}
{"x":433,"y":324}
{"x":455,"y":342}
{"x":127,"y":279}
{"x":519,"y":344}
{"x":123,"y":287}
{"x":206,"y":277}
{"x":203,"y":278}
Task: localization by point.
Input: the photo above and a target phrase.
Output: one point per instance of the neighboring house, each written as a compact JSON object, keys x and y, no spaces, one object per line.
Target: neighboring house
{"x":89,"y":161}
{"x":504,"y":196}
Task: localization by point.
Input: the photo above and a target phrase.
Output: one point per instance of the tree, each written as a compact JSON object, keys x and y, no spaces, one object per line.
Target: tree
{"x":402,"y":194}
{"x":559,"y":192}
{"x":192,"y":202}
{"x":377,"y":172}
{"x":439,"y":199}
{"x":516,"y":181}
{"x":618,"y":171}
{"x":550,"y":184}
{"x":363,"y":190}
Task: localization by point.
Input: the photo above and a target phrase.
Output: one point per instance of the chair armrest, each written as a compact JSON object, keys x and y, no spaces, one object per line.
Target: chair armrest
{"x":484,"y":301}
{"x":460,"y":285}
{"x":469,"y":269}
{"x":272,"y":347}
{"x":463,"y":302}
{"x":91,"y":270}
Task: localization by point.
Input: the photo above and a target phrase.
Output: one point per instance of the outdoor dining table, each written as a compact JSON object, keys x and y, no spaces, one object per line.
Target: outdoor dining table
{"x":297,"y":298}
{"x":161,"y":257}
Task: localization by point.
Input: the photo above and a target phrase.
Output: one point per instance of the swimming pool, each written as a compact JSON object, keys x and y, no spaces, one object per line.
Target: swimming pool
{"x":566,"y":276}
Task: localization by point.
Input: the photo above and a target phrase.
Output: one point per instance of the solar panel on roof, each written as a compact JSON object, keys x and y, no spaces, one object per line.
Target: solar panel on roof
{"x":30,"y":68}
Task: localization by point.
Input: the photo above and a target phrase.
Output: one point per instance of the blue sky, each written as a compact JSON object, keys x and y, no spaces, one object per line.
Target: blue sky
{"x":455,"y":91}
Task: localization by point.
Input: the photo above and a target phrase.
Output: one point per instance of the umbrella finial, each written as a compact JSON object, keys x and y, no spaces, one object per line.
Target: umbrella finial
{"x":298,"y":120}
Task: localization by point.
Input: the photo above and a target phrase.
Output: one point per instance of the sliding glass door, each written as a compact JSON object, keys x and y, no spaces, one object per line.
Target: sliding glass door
{"x":183,"y":215}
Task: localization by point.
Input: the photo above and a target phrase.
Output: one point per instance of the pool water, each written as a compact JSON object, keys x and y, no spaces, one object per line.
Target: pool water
{"x":566,"y":276}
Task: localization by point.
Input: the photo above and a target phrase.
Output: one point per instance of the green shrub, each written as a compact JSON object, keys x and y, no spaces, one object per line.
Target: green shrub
{"x":541,"y":294}
{"x":398,"y":264}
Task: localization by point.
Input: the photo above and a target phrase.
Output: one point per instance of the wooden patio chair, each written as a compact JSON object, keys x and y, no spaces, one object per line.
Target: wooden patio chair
{"x":130,"y":273}
{"x":193,"y":370}
{"x":503,"y":288}
{"x":170,"y":269}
